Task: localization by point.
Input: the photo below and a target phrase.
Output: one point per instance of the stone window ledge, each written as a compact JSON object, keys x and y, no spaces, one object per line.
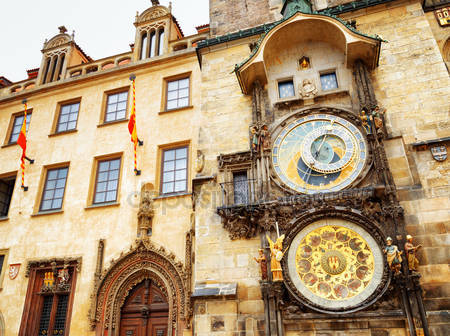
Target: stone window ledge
{"x":49,"y":212}
{"x":102,"y":205}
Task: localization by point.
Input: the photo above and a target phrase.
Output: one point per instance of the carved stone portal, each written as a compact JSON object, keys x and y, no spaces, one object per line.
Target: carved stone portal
{"x":143,"y":261}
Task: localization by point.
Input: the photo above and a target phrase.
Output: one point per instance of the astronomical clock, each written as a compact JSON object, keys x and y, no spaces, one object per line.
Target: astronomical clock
{"x":319,"y":153}
{"x":333,"y":264}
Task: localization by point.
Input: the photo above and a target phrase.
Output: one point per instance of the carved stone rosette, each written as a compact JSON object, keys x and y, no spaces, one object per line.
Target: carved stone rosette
{"x":143,"y":261}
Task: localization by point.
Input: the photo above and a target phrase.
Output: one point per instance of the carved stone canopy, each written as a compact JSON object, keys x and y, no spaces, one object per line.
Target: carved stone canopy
{"x":155,"y":12}
{"x":144,"y":261}
{"x":312,"y":27}
{"x":59,"y":40}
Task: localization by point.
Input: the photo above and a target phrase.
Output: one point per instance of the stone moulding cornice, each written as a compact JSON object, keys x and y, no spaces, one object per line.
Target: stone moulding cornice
{"x":132,"y":67}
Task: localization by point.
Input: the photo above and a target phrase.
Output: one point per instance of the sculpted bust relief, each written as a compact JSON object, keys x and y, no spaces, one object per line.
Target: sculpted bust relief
{"x":308,"y":89}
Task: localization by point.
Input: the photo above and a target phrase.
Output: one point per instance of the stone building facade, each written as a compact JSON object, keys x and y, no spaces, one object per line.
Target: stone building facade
{"x":285,"y":153}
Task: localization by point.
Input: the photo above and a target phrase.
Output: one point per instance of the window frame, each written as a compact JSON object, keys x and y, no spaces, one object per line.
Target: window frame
{"x":56,"y":121}
{"x":163,"y":149}
{"x":7,"y":142}
{"x":235,"y":173}
{"x":165,"y":95}
{"x":284,"y":80}
{"x":44,"y":179}
{"x":5,"y":253}
{"x":6,"y":177}
{"x":94,"y":179}
{"x":328,"y":72}
{"x":32,"y":309}
{"x":106,"y":95}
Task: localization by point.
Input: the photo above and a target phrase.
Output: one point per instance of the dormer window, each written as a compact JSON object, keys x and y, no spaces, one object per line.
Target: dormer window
{"x":152,"y":43}
{"x":53,"y":68}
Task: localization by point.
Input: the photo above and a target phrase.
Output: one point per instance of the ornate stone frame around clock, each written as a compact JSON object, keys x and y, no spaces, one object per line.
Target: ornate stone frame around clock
{"x":345,"y":113}
{"x":351,"y":215}
{"x":143,"y":261}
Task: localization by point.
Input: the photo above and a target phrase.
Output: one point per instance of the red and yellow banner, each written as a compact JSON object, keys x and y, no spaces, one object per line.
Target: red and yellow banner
{"x":22,"y":142}
{"x":132,"y":124}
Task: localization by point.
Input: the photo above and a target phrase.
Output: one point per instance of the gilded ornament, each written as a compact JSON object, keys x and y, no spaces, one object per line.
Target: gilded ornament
{"x":276,"y":255}
{"x":334,"y":262}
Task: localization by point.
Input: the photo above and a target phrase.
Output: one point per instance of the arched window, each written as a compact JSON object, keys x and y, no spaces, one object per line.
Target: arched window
{"x":62,"y":57}
{"x":152,"y":44}
{"x":47,"y":68}
{"x":144,"y":42}
{"x":161,"y":42}
{"x":54,"y":62}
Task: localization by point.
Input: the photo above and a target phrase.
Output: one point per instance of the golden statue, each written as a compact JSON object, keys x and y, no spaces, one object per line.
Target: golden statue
{"x":394,"y":256}
{"x":276,"y":254}
{"x":410,"y":250}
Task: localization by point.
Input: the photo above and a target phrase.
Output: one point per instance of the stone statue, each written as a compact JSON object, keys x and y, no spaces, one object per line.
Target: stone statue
{"x":265,"y":137}
{"x":261,"y":260}
{"x":394,"y":256}
{"x":308,"y":89}
{"x":145,"y":213}
{"x":410,"y":250}
{"x":276,"y":254}
{"x":255,"y":139}
{"x":377,"y":118}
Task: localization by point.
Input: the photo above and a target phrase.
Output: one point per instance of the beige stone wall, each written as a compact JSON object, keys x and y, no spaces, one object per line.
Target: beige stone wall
{"x":412,"y":83}
{"x":76,"y":231}
{"x":442,"y":36}
{"x":226,"y":115}
{"x":233,"y":15}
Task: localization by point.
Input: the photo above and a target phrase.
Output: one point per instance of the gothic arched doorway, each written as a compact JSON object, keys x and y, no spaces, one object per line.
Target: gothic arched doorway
{"x":145,"y":311}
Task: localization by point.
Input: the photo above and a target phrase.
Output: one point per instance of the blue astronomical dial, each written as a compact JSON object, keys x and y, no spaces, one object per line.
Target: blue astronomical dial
{"x":319,"y":153}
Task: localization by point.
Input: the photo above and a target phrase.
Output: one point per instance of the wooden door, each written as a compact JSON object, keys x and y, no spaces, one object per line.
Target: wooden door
{"x":145,"y":312}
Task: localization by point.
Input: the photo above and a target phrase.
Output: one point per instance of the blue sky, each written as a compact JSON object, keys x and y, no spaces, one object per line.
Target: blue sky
{"x":102,"y":27}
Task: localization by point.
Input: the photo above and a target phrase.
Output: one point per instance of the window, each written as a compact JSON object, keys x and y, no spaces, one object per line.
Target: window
{"x":116,"y":107}
{"x":3,"y":264}
{"x":174,"y":170}
{"x":68,"y":117}
{"x":17,"y":126}
{"x":53,"y":194}
{"x":107,"y":181}
{"x":161,"y":42}
{"x":49,"y":299}
{"x":177,"y":93}
{"x":240,"y":184}
{"x":2,"y":260}
{"x":286,"y":89}
{"x":6,"y":191}
{"x":329,"y":81}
